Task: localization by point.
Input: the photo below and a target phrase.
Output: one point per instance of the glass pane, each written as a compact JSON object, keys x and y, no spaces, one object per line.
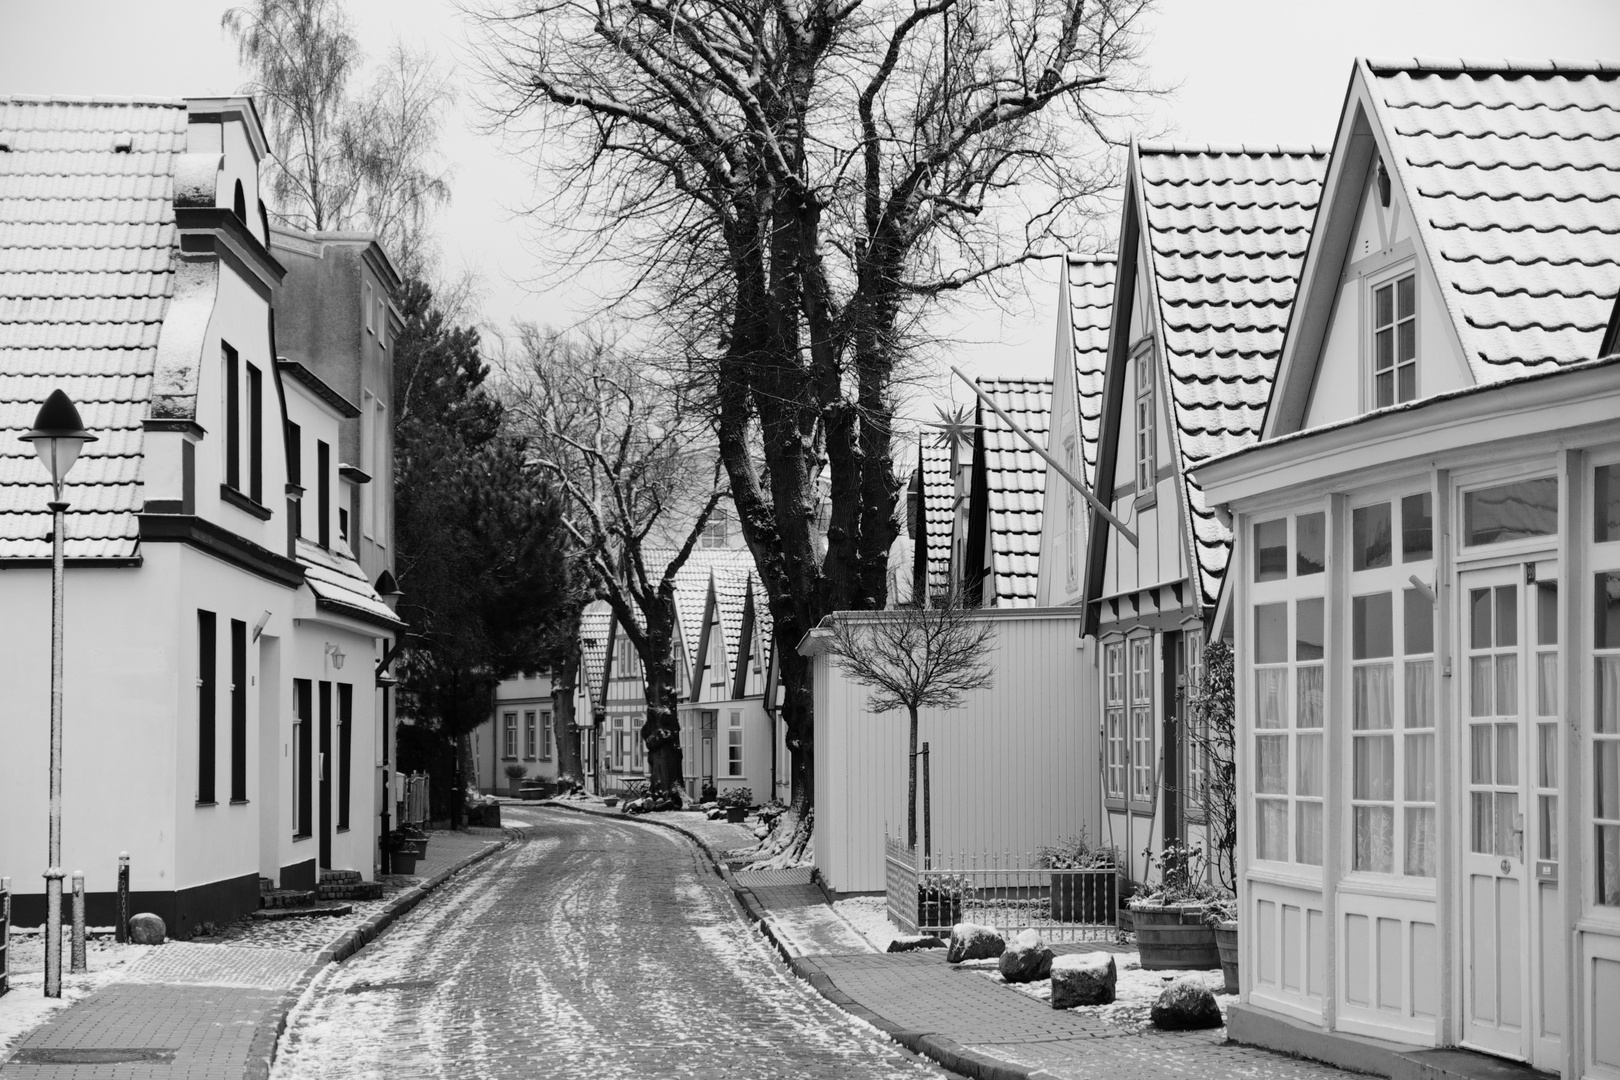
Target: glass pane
{"x":1270,"y":633}
{"x":1606,"y":607}
{"x":1384,"y":350}
{"x":1507,"y":685}
{"x":1385,"y":389}
{"x":1511,"y":511}
{"x":1479,"y":686}
{"x":1308,"y":708}
{"x":1370,"y":536}
{"x":1479,"y":618}
{"x":1546,"y":613}
{"x":1608,"y":694}
{"x":1308,"y":833}
{"x":1419,"y":693}
{"x":1420,"y":838}
{"x":1271,"y":550}
{"x":1482,"y":828}
{"x":1547,"y":755}
{"x":1419,"y":770}
{"x":1547,"y":684}
{"x":1372,"y":631}
{"x":1270,"y":684}
{"x":1383,"y":305}
{"x":1608,"y":865}
{"x":1373,"y":767}
{"x":1419,"y":623}
{"x":1417,"y":528}
{"x":1507,"y":753}
{"x":1308,"y":629}
{"x":1310,"y":542}
{"x":1271,"y":829}
{"x":1372,"y":690}
{"x":1405,"y":350}
{"x":1507,"y":615}
{"x":1405,"y":300}
{"x":1606,"y":503}
{"x":1509,"y":838}
{"x":1308,"y":766}
{"x":1547,"y":832}
{"x":1606,"y":780}
{"x":1375,"y":839}
{"x":1479,"y":757}
{"x":1271,"y":771}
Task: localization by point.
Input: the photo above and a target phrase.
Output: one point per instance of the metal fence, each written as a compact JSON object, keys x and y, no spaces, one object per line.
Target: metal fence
{"x":414,"y":807}
{"x":1011,"y":892}
{"x":5,"y":934}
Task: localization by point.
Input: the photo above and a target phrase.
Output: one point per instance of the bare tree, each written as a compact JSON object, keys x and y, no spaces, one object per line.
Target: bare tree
{"x":342,"y":160}
{"x":915,"y":658}
{"x":791,"y":184}
{"x":626,"y":450}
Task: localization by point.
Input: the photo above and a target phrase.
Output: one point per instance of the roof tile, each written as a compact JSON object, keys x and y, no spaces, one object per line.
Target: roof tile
{"x":1015,"y":482}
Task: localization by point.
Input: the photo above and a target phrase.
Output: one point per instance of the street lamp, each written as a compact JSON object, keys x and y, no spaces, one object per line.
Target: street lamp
{"x":58,"y":436}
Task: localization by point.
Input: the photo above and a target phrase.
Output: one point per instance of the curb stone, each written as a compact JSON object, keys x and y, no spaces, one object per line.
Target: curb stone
{"x":267,"y":1035}
{"x":939,"y":1048}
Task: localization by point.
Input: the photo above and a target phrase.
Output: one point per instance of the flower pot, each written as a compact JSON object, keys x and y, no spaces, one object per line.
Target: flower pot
{"x":1226,"y":943}
{"x":936,"y":909}
{"x":611,"y":801}
{"x":736,"y":814}
{"x":1085,"y":896}
{"x":515,"y":789}
{"x":404,"y":861}
{"x":1174,"y":937}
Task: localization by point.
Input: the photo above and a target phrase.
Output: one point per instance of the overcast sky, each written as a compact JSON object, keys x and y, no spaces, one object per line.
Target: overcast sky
{"x":1259,"y":71}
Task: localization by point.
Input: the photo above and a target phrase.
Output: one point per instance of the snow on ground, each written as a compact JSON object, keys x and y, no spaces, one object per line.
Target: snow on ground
{"x":26,"y":1006}
{"x":1134,"y":993}
{"x":870,"y":916}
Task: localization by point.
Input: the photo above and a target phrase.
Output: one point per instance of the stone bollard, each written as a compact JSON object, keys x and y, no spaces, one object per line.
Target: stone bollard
{"x":146,"y":929}
{"x":121,"y":930}
{"x":80,"y":964}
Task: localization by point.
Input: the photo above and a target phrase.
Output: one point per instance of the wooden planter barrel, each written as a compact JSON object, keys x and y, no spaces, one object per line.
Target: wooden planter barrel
{"x":1226,"y":942}
{"x":1174,"y":937}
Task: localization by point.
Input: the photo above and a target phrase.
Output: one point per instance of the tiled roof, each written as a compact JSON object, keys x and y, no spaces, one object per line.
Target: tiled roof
{"x":939,"y":496}
{"x":87,"y":241}
{"x":731,"y":584}
{"x":336,"y":579}
{"x":692,"y":586}
{"x":1091,"y":301}
{"x":1511,"y":172}
{"x":1015,"y":484}
{"x":594,"y":622}
{"x":764,"y":624}
{"x":1227,"y":229}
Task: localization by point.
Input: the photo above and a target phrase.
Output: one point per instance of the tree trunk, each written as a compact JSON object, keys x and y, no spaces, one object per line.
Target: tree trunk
{"x":565,"y":683}
{"x":911,"y":789}
{"x":662,"y":731}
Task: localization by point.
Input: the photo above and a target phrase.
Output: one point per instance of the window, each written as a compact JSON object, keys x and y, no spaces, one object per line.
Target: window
{"x":255,"y":403}
{"x":734,"y":745}
{"x":382,"y":468}
{"x":1145,"y":417}
{"x":1271,"y":738}
{"x":206,"y":690}
{"x":238,"y":711}
{"x":1271,"y":550}
{"x":1606,"y":503}
{"x":637,"y":747}
{"x":1114,"y":718}
{"x":715,"y":530}
{"x":302,"y":756}
{"x":1606,"y":737}
{"x":1517,"y":511}
{"x":369,"y":306}
{"x":233,"y":419}
{"x":1395,"y":341}
{"x":323,"y":494}
{"x":345,"y":751}
{"x":343,"y":524}
{"x":531,"y":737}
{"x":1197,"y":757}
{"x":545,"y":736}
{"x":1071,"y":517}
{"x":509,"y":736}
{"x":621,"y":744}
{"x":295,"y":473}
{"x":1141,"y":686}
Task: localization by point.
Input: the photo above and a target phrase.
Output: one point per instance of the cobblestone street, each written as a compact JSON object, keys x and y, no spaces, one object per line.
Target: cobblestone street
{"x":595,"y":949}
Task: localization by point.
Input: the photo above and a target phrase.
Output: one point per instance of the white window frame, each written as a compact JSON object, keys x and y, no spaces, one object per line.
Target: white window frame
{"x":509,"y":745}
{"x":531,"y":735}
{"x":1390,"y":276}
{"x":546,"y":737}
{"x":1147,"y":451}
{"x":1141,"y":736}
{"x":1116,"y":772}
{"x":734,"y":745}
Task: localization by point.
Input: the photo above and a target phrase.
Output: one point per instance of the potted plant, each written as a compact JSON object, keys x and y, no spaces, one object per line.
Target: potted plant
{"x":413,"y":836}
{"x":514,"y":779}
{"x":402,"y":853}
{"x":1222,"y":918}
{"x":939,"y":901}
{"x":1169,"y":920}
{"x":1085,"y":880}
{"x":736,"y":803}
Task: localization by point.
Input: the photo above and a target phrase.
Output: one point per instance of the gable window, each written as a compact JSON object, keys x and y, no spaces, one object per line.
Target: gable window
{"x":1145,"y":415}
{"x":734,"y":745}
{"x":714,"y":530}
{"x":1395,"y":341}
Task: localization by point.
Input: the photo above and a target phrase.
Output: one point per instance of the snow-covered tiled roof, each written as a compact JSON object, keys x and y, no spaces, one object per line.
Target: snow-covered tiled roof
{"x":87,"y":249}
{"x":1015,"y":485}
{"x":1091,"y":302}
{"x":692,"y":586}
{"x":338,"y":582}
{"x":938,"y":514}
{"x":731,"y":581}
{"x":594,"y":623}
{"x":1226,"y":228}
{"x":1511,"y":171}
{"x":764,"y":624}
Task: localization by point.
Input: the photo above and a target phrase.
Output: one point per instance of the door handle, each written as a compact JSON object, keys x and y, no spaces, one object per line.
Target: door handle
{"x":1518,"y":834}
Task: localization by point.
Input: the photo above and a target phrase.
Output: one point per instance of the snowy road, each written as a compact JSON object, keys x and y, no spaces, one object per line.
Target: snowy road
{"x":595,"y":949}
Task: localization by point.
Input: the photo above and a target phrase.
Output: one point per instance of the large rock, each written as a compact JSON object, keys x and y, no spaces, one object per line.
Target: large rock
{"x":146,"y":929}
{"x":912,"y":944}
{"x":1027,"y":959}
{"x":1186,"y":1005}
{"x":1084,"y":979}
{"x":970,"y":941}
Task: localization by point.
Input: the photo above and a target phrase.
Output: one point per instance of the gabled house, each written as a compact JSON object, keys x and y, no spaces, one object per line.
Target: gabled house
{"x":732,"y":734}
{"x":1424,"y":596}
{"x":995,"y":547}
{"x":1085,"y":300}
{"x":1209,"y":252}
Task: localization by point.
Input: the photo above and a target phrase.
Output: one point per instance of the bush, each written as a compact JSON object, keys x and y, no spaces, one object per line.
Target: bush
{"x":737,"y":796}
{"x":515,"y":771}
{"x":1077,"y":854}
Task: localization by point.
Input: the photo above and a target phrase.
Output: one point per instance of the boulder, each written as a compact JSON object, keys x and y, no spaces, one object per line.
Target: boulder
{"x":1186,"y":1005}
{"x":146,"y":929}
{"x":912,"y":944}
{"x":1027,"y":959}
{"x":1083,"y":979}
{"x":970,"y":941}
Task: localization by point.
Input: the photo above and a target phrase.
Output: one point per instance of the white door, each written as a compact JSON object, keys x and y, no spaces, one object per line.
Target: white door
{"x":1512,"y":971}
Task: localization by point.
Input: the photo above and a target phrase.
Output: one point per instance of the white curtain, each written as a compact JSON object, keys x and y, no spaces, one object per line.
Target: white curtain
{"x":1374,"y":697}
{"x":1420,"y":841}
{"x":1608,"y":695}
{"x":1308,"y":713}
{"x":1375,"y":839}
{"x":1271,"y":757}
{"x":1269,"y":687}
{"x":1271,"y":829}
{"x":1308,"y":833}
{"x":1420,"y":693}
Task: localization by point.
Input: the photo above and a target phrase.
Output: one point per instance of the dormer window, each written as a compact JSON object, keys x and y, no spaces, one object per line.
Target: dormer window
{"x":715,"y":530}
{"x":1394,"y":329}
{"x":1145,"y":442}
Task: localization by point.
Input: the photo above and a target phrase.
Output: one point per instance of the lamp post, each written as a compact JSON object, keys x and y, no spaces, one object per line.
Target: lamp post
{"x":58,"y":436}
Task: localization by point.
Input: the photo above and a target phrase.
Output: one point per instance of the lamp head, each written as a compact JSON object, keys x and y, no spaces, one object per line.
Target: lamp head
{"x":58,"y":436}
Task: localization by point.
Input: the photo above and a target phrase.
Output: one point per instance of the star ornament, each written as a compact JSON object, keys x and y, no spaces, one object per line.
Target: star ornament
{"x":955,"y":427}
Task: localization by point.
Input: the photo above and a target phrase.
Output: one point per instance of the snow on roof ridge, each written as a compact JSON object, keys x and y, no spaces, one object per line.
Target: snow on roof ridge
{"x":1242,"y":149}
{"x":92,"y":99}
{"x":1446,"y":65}
{"x":1092,"y":257}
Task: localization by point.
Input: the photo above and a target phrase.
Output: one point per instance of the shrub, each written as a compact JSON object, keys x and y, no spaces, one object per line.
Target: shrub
{"x":515,"y":771}
{"x":737,"y":796}
{"x":1077,"y":854}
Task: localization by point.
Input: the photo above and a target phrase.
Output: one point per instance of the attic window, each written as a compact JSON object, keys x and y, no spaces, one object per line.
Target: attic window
{"x":1395,"y":340}
{"x":123,"y":143}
